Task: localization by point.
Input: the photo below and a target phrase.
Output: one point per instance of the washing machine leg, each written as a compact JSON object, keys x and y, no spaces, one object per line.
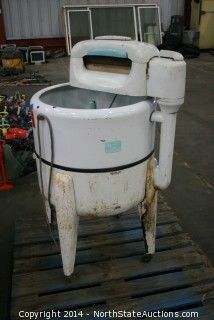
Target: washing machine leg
{"x":44,"y":184}
{"x":67,"y":219}
{"x":148,"y":212}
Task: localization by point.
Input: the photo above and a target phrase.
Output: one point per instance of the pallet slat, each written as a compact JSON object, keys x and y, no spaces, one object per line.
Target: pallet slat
{"x":28,"y":250}
{"x":83,"y":256}
{"x":53,"y":280}
{"x":40,"y":233}
{"x":110,"y":273}
{"x":100,"y":293}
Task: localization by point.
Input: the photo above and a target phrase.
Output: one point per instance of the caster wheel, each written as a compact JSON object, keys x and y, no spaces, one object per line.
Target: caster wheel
{"x":147,"y":257}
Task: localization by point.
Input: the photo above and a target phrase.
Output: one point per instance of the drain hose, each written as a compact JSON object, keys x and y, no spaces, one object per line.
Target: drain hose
{"x":42,"y":117}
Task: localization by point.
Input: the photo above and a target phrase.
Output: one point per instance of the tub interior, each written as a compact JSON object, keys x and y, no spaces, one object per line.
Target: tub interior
{"x":76,"y":98}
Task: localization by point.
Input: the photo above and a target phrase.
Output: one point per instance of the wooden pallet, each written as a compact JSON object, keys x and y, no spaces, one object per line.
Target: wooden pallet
{"x":110,"y":273}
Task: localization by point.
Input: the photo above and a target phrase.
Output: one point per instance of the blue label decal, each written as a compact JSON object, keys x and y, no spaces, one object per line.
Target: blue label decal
{"x":113,"y":146}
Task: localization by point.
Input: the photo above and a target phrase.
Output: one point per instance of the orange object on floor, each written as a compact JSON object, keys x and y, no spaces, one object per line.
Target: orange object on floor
{"x":5,"y":184}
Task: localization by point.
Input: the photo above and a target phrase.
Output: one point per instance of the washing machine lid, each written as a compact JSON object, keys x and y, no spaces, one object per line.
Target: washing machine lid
{"x":131,"y":83}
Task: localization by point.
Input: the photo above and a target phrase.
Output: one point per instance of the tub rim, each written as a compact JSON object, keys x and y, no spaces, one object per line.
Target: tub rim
{"x":121,"y":111}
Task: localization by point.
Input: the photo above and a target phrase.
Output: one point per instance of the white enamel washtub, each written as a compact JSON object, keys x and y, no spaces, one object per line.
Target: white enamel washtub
{"x":104,"y":151}
{"x":94,"y":138}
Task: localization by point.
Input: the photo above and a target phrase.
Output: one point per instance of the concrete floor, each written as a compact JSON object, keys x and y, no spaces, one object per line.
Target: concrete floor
{"x":190,"y":193}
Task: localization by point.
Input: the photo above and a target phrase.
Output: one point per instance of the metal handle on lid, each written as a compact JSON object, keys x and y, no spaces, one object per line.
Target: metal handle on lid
{"x":120,"y":38}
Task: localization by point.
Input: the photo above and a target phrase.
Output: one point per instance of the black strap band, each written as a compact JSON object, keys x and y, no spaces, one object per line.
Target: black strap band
{"x":126,"y":166}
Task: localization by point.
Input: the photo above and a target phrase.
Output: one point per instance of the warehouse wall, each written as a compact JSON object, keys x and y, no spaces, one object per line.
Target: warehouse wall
{"x":170,"y":8}
{"x":31,"y":19}
{"x":26,"y":19}
{"x":2,"y":31}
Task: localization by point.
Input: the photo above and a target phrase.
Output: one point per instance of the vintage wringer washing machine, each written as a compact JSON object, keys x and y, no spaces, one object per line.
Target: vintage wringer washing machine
{"x":94,"y":137}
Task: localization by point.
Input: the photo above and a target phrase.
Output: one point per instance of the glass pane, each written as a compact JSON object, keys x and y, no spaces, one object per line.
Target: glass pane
{"x":113,"y":21}
{"x":79,"y":26}
{"x":149,"y":22}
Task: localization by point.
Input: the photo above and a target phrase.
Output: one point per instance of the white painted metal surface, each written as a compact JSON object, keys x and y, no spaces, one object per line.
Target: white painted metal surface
{"x":87,"y":134}
{"x":169,"y":74}
{"x":103,"y":193}
{"x":67,"y":219}
{"x":163,"y":171}
{"x":133,"y":84}
{"x":100,"y":150}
